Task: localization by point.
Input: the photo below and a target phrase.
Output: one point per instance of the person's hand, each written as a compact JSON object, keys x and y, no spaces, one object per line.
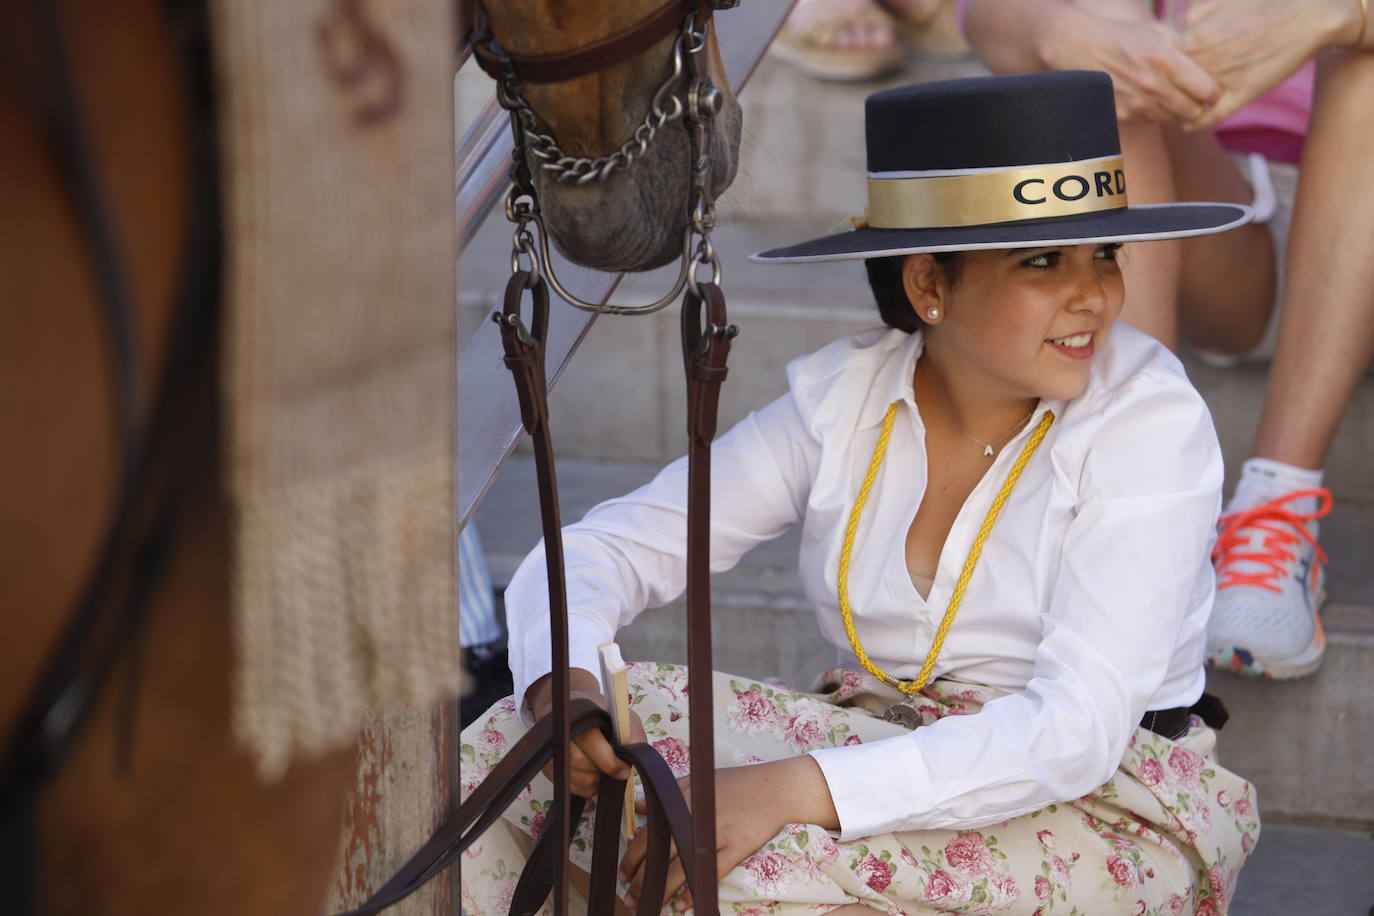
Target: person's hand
{"x":592,"y":754}
{"x":752,"y":804}
{"x":1153,"y":77}
{"x":1251,"y":46}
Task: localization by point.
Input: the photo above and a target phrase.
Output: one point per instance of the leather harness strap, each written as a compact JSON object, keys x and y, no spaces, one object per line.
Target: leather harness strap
{"x":525,"y":359}
{"x":704,"y":352}
{"x":599,"y":55}
{"x":669,"y":820}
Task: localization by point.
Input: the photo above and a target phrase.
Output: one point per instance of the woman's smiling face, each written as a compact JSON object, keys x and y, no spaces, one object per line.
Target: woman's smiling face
{"x":1027,"y":321}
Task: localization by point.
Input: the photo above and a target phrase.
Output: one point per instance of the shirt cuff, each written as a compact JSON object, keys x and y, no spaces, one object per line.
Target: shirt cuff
{"x":584,"y":635}
{"x":877,"y":788}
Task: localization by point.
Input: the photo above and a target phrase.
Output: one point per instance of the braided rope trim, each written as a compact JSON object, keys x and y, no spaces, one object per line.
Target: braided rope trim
{"x":851,"y":529}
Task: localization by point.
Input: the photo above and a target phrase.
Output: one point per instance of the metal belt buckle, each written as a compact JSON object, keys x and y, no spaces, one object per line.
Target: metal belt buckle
{"x":904,"y":714}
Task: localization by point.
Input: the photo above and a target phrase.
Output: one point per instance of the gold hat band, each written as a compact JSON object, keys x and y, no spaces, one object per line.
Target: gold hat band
{"x":1033,"y":192}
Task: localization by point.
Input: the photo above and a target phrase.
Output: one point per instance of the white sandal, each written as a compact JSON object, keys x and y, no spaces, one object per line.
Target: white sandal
{"x":812,"y":46}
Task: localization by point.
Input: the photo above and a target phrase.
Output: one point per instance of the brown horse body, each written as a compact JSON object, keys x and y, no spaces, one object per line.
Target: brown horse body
{"x":189,"y":827}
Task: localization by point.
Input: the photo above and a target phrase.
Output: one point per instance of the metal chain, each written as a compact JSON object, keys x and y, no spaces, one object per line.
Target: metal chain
{"x":702,"y":102}
{"x":666,"y":107}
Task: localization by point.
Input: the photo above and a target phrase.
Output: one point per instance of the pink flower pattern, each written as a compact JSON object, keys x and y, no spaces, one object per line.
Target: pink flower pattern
{"x":1165,"y":836}
{"x":1186,"y":765}
{"x":1121,"y":871}
{"x":874,"y":872}
{"x":491,"y":741}
{"x":675,"y":754}
{"x":808,"y":727}
{"x":770,"y":871}
{"x":945,"y":890}
{"x":968,"y":854}
{"x":1152,"y":773}
{"x":752,"y":713}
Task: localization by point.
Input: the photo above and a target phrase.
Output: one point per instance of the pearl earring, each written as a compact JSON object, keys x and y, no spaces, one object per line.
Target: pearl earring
{"x":932,"y":314}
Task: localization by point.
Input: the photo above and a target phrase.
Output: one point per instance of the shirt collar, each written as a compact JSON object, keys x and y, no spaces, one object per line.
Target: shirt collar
{"x":896,"y":381}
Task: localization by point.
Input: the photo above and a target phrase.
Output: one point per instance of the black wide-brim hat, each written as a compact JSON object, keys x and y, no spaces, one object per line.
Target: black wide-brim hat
{"x":1022,"y":161}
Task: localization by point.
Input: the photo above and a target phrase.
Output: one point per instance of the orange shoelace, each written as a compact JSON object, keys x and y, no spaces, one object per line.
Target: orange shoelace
{"x":1283,"y":529}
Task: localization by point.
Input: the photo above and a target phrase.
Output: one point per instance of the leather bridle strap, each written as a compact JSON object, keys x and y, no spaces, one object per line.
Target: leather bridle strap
{"x":704,"y":352}
{"x":525,"y":359}
{"x":599,"y":55}
{"x":668,"y":818}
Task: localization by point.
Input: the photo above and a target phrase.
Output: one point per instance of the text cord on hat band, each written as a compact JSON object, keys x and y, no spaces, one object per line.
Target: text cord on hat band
{"x":945,"y":199}
{"x":975,"y":551}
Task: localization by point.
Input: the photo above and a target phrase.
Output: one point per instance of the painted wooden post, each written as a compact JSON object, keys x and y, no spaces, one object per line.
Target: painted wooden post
{"x":407,"y":783}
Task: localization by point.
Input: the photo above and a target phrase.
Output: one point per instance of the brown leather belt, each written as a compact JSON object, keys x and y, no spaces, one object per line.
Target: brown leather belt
{"x":1173,"y":723}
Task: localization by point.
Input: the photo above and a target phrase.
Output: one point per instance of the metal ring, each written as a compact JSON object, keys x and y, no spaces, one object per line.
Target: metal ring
{"x":696,"y":264}
{"x":600,"y":309}
{"x":523,"y":243}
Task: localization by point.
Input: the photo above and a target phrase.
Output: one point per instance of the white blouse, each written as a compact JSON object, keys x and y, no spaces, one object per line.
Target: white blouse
{"x":1090,"y":601}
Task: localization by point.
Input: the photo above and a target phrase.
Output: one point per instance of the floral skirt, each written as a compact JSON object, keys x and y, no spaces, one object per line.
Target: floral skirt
{"x":1166,"y":834}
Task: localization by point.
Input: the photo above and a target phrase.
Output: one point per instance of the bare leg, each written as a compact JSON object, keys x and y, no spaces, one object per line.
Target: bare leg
{"x":1227,"y":288}
{"x":1152,"y":270}
{"x":1326,"y":335}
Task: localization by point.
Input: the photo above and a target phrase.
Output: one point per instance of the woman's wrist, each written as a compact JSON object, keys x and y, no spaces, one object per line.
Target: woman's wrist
{"x":1346,"y":24}
{"x":800,"y":791}
{"x":539,"y":696}
{"x":1054,"y":33}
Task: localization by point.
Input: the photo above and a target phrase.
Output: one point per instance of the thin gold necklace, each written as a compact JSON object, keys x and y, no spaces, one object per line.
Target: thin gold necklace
{"x":988,"y":447}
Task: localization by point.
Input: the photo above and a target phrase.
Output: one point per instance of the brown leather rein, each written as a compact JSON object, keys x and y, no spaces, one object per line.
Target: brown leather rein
{"x":557,"y":67}
{"x":706,"y":337}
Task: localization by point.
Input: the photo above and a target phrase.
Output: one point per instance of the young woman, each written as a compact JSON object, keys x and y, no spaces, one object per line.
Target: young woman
{"x":1007,"y":502}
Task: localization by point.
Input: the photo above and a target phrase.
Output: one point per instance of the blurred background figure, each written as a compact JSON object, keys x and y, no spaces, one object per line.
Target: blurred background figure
{"x":480,"y":633}
{"x":864,"y":39}
{"x":1220,"y":104}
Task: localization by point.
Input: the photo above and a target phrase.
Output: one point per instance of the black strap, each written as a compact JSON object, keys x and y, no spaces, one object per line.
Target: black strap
{"x":599,"y":55}
{"x":1172,"y":723}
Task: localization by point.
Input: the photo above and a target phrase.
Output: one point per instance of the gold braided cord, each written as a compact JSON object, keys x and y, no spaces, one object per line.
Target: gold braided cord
{"x":851,"y":529}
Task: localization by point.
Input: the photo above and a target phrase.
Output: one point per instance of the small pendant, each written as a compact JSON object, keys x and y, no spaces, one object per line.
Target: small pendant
{"x":902,"y":714}
{"x":987,"y":451}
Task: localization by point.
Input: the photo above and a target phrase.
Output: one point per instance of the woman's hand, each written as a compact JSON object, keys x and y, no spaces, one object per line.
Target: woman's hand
{"x":1155,"y":80}
{"x":1253,"y":45}
{"x":592,"y":754}
{"x":752,"y":804}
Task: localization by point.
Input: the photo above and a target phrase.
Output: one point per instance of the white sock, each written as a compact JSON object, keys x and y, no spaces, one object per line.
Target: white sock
{"x":1262,"y":479}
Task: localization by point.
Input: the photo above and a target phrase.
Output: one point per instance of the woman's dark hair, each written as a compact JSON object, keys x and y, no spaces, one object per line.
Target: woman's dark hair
{"x":885,"y":278}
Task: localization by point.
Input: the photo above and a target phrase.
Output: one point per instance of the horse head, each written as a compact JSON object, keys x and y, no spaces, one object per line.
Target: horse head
{"x":635,"y":217}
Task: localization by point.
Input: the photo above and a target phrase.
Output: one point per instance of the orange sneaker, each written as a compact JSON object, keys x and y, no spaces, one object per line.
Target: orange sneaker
{"x":1266,"y":621}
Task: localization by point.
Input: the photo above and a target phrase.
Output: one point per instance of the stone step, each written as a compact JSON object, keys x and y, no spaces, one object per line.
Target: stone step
{"x":1299,"y":870}
{"x":1304,"y":743}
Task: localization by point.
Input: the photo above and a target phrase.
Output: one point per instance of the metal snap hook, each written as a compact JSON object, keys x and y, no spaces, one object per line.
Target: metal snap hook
{"x":513,"y":322}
